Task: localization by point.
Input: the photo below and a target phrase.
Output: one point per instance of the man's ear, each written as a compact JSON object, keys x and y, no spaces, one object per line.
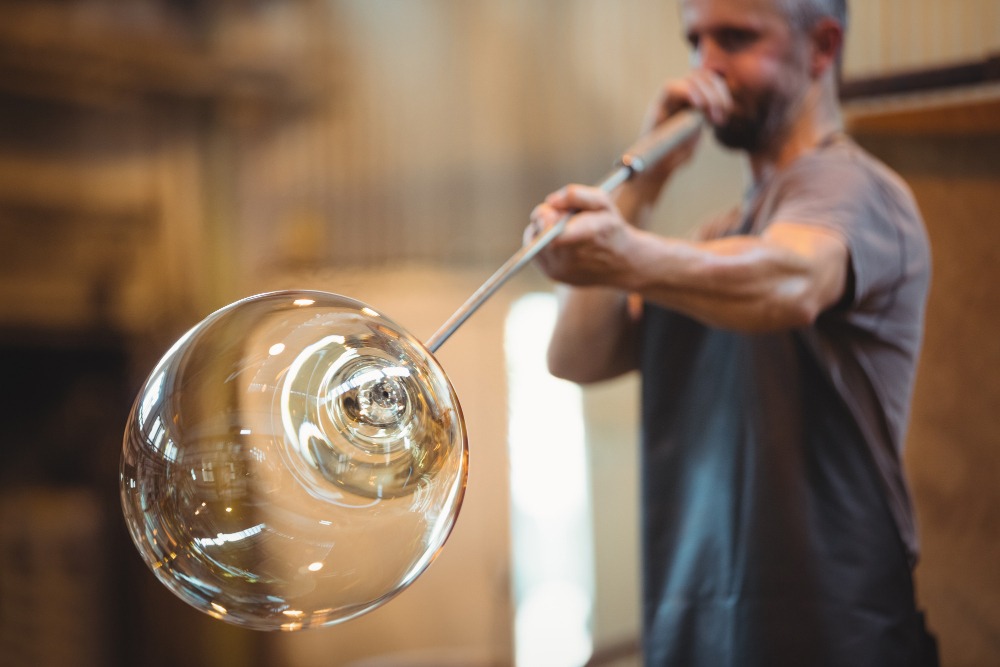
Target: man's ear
{"x":827,"y":41}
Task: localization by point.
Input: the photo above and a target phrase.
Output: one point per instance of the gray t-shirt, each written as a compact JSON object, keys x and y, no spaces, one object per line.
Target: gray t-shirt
{"x":871,"y":347}
{"x":777,"y":524}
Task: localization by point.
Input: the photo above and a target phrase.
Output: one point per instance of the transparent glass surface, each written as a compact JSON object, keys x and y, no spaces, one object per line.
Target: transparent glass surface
{"x":295,"y":460}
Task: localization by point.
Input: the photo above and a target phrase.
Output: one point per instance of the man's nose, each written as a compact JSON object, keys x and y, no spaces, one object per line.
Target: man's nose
{"x":710,"y":56}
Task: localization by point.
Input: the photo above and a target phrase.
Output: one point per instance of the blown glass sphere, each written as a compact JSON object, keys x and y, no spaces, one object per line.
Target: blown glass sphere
{"x":295,"y":460}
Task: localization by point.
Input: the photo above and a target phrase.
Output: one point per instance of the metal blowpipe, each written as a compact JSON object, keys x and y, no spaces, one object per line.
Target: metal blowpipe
{"x":648,"y":151}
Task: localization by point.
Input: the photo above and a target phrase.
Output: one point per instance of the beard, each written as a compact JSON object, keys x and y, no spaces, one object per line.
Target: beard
{"x":757,"y":121}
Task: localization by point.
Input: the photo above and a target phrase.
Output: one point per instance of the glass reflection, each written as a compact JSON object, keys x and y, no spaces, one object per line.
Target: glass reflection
{"x":295,"y":460}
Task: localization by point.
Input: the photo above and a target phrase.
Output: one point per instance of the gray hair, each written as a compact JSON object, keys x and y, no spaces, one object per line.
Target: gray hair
{"x":804,"y":14}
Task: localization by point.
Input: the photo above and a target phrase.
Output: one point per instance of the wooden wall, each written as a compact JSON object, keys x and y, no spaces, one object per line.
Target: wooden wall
{"x":953,"y":451}
{"x":889,"y":36}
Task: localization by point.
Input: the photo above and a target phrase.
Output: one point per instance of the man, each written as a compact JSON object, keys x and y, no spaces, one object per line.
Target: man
{"x":778,"y":352}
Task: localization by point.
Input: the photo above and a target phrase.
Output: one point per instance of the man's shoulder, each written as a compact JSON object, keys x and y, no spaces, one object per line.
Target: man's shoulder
{"x":844,"y":176}
{"x":845,"y":164}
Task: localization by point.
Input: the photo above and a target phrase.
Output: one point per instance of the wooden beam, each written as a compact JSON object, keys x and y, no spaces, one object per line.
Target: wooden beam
{"x":951,"y":76}
{"x":962,"y":99}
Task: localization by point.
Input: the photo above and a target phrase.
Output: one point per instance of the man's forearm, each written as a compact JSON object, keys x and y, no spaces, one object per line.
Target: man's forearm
{"x":594,"y":338}
{"x":753,"y":284}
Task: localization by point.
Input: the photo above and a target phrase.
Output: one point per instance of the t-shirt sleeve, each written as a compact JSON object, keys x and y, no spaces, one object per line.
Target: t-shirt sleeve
{"x":868,"y":210}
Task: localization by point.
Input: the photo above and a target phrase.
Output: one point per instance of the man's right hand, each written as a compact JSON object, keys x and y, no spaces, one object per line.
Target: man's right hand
{"x":701,"y":90}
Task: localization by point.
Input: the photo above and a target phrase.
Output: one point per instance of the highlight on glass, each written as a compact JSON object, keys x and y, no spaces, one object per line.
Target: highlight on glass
{"x":295,"y":460}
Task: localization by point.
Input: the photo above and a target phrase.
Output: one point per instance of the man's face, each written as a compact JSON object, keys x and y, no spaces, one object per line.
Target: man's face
{"x":763,"y":61}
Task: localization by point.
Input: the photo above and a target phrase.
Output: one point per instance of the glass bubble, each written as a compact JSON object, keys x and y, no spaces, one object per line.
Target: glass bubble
{"x":295,"y":460}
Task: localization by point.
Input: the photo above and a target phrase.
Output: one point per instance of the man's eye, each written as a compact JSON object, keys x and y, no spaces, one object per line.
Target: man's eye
{"x":735,"y":40}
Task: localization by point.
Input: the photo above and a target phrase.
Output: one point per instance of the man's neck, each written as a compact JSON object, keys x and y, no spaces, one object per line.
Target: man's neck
{"x":818,"y":119}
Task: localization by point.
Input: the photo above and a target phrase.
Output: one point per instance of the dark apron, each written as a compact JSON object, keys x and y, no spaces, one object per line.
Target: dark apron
{"x":768,"y":540}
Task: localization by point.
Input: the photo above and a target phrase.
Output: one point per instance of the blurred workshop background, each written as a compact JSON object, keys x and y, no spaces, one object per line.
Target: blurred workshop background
{"x":162,"y":158}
